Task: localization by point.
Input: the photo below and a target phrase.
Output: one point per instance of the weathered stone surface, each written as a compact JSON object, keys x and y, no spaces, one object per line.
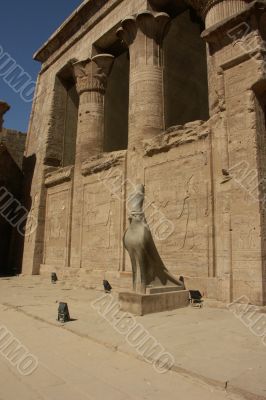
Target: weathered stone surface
{"x":13,"y":140}
{"x":103,"y":162}
{"x":59,"y":176}
{"x":142,"y":304}
{"x":177,"y":136}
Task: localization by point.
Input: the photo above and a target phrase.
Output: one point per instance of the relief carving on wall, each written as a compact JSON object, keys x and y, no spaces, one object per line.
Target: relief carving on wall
{"x":185,"y":202}
{"x":101,"y":231}
{"x":56,"y":229}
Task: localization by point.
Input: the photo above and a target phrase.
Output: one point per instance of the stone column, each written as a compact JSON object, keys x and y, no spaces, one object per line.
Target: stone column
{"x":91,"y":81}
{"x":215,"y":11}
{"x":4,"y":107}
{"x":144,"y":34}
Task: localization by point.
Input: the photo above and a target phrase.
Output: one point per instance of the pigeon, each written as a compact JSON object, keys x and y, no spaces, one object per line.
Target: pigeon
{"x":107,"y":286}
{"x":54,"y":278}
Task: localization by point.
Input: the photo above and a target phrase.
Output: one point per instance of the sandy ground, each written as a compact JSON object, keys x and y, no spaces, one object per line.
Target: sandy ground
{"x":216,"y":355}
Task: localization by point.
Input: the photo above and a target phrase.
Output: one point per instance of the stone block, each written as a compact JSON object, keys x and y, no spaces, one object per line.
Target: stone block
{"x":141,"y":304}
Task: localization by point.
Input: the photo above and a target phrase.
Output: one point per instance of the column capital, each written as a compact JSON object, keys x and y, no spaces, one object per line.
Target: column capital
{"x":214,"y":11}
{"x":203,"y":6}
{"x":91,"y":74}
{"x":4,"y":107}
{"x":153,"y":24}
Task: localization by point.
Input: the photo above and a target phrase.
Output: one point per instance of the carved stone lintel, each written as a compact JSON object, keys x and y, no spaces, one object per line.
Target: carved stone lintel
{"x":153,"y":25}
{"x":4,"y":107}
{"x":59,"y":176}
{"x":103,"y":162}
{"x":91,"y":74}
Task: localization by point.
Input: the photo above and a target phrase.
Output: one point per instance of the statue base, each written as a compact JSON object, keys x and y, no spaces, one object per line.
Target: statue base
{"x":141,"y":304}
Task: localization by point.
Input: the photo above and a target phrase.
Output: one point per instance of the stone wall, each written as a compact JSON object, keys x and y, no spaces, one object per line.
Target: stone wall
{"x":12,"y":146}
{"x":15,"y":142}
{"x":10,"y":187}
{"x":177,"y":205}
{"x":177,"y":181}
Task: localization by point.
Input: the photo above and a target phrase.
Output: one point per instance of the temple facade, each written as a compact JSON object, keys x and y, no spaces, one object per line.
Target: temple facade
{"x":166,"y":93}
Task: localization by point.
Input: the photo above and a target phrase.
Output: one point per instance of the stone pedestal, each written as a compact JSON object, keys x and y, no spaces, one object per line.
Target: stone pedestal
{"x":141,"y":304}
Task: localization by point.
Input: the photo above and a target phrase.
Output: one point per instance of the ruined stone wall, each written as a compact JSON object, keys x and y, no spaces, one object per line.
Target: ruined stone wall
{"x":15,"y":142}
{"x":11,"y":241}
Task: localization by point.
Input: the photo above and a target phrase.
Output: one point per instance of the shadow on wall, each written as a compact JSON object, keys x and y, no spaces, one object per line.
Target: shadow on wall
{"x":116,"y":105}
{"x":11,"y":242}
{"x":186,"y":79}
{"x":26,"y":199}
{"x":260,"y":102}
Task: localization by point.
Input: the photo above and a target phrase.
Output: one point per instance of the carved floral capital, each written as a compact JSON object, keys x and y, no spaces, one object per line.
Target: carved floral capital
{"x":153,"y":25}
{"x":202,"y":6}
{"x":92,"y":73}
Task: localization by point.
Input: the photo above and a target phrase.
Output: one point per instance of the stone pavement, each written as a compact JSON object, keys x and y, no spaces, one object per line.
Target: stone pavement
{"x":210,"y":345}
{"x":74,"y":368}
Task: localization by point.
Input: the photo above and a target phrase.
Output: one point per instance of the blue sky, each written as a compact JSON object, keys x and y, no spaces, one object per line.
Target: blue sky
{"x":24,"y":27}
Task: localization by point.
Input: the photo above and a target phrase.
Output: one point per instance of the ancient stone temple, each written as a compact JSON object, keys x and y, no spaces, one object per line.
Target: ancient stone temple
{"x":166,"y":93}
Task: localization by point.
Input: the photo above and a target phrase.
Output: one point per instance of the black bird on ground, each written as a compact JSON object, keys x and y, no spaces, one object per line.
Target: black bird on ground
{"x":107,"y":286}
